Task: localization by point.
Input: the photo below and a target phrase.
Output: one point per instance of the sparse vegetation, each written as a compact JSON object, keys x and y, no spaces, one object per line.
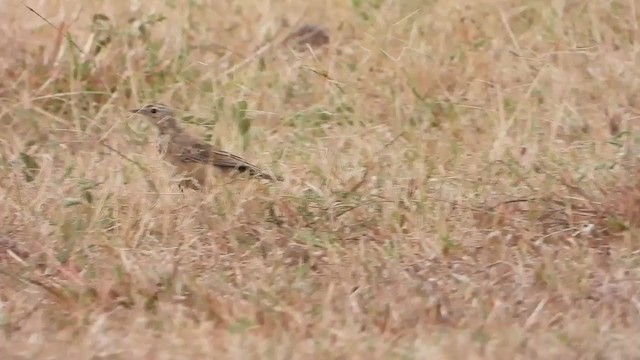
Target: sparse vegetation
{"x":460,"y":181}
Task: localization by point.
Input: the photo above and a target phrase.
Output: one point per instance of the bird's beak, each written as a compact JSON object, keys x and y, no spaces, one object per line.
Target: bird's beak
{"x":135,"y":110}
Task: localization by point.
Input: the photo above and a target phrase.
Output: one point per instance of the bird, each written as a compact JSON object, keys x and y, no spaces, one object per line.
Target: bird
{"x":192,"y":158}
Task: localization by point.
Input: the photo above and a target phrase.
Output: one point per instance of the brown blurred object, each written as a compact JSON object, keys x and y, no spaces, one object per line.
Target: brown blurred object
{"x":7,"y":245}
{"x":296,"y":254}
{"x":615,"y":121}
{"x":308,"y":34}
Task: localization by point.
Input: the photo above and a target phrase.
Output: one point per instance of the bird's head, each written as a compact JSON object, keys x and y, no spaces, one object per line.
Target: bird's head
{"x":159,"y":115}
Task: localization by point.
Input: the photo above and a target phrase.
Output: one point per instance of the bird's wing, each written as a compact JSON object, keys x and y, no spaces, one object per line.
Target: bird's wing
{"x":196,"y":152}
{"x":206,"y":154}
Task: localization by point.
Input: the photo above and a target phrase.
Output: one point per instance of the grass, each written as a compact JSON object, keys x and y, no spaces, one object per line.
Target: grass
{"x":460,"y":181}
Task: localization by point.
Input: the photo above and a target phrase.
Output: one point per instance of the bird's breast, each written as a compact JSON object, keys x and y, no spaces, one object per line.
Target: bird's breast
{"x":162,"y":145}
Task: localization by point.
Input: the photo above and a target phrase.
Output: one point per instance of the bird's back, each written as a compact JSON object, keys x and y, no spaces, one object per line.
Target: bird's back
{"x":189,"y":154}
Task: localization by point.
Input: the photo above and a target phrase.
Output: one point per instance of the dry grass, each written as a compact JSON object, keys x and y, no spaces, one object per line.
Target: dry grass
{"x":460,"y":181}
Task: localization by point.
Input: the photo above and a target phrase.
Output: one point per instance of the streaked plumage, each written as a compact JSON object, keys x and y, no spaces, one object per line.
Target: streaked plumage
{"x":193,"y":159}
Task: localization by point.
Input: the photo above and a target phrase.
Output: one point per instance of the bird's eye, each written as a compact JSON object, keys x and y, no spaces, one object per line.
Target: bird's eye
{"x":154,"y":110}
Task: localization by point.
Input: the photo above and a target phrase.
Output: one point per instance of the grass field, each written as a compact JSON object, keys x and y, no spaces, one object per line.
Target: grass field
{"x":460,"y":181}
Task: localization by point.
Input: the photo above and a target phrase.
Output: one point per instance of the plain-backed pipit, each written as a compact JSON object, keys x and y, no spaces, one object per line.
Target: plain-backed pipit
{"x":192,"y":158}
